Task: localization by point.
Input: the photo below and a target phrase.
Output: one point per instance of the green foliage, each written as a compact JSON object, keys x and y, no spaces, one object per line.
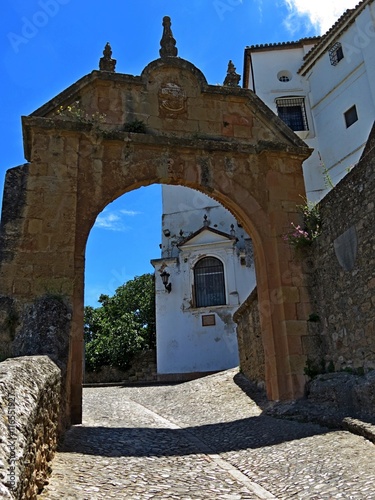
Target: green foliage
{"x":135,"y":126}
{"x":75,"y":112}
{"x":312,"y":369}
{"x":327,"y":178}
{"x":330,"y":367}
{"x":11,"y":323}
{"x":302,"y":236}
{"x":360,"y":371}
{"x":122,"y":326}
{"x":314,"y":318}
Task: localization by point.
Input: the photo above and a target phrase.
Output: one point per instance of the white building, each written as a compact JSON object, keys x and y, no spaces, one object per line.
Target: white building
{"x":324,"y":89}
{"x":208,"y":258}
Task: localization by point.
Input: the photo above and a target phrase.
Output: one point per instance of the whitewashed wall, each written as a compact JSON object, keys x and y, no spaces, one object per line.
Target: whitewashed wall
{"x":183,"y":344}
{"x":267,"y":65}
{"x":329,"y":92}
{"x":335,"y":89}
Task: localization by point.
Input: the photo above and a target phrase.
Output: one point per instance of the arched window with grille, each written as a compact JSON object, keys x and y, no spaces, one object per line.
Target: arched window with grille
{"x":209,"y":284}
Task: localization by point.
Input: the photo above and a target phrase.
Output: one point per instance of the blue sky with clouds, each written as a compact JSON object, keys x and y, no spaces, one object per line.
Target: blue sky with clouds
{"x":46,"y":45}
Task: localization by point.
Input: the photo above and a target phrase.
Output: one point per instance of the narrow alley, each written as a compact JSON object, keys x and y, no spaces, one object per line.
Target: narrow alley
{"x":204,"y":439}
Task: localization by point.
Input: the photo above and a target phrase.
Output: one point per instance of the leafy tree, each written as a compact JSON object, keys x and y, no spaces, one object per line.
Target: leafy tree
{"x":122,"y":326}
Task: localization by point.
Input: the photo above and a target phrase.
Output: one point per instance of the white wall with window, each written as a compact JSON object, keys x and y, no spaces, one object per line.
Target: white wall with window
{"x":335,"y":76}
{"x":208,"y":257}
{"x":342,"y":90}
{"x":271,"y":71}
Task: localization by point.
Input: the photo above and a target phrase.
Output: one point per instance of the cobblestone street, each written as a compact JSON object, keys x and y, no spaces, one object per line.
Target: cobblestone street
{"x":204,"y":439}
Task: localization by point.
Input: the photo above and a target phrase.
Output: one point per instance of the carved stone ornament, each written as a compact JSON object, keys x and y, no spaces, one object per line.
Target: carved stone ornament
{"x":172,"y":99}
{"x":106,"y":62}
{"x":232,"y":79}
{"x":167,"y":43}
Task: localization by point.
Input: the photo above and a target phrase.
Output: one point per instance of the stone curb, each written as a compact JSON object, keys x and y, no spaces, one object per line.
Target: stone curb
{"x":356,"y":426}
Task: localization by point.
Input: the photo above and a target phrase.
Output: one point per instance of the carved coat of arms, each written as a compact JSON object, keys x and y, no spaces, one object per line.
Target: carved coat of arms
{"x":172,"y":99}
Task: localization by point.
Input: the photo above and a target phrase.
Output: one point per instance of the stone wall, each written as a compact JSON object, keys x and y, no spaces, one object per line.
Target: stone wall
{"x":37,"y":328}
{"x":341,"y":270}
{"x":250,"y":339}
{"x":142,"y":370}
{"x":30,"y":391}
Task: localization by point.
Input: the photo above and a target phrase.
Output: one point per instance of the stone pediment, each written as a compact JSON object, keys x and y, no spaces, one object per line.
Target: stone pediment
{"x":172,"y":97}
{"x":207,"y":236}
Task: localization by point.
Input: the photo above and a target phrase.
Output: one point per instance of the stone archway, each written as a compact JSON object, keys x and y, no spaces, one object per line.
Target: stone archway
{"x":178,"y":130}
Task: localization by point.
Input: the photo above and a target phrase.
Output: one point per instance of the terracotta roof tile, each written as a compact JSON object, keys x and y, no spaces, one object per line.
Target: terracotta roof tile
{"x":284,"y":44}
{"x":340,"y":25}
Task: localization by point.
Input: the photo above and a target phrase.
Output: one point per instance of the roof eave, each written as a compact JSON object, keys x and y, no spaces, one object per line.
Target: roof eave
{"x":340,"y":26}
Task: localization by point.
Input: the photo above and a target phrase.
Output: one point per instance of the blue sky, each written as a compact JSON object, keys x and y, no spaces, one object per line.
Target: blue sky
{"x":46,"y":45}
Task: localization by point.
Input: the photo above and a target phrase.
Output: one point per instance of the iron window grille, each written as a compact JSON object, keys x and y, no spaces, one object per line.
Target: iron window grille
{"x":336,"y":53}
{"x":209,"y":285}
{"x":293,"y":112}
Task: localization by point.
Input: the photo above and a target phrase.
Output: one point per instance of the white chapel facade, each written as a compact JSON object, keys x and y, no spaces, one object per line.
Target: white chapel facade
{"x":208,"y":259}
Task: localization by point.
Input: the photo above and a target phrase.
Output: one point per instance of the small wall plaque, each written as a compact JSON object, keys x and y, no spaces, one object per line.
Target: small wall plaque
{"x":208,"y":320}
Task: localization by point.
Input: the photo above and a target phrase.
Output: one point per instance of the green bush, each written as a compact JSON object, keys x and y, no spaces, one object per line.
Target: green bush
{"x":122,"y":326}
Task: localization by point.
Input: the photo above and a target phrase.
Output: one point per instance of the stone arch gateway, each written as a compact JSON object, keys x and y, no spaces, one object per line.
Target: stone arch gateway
{"x":122,"y":132}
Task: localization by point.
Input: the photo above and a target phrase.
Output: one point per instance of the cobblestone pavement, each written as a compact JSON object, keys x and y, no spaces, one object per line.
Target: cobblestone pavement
{"x":204,"y":439}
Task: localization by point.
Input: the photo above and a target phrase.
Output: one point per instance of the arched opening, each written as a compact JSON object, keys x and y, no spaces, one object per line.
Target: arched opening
{"x":119,"y":334}
{"x":195,"y":331}
{"x":221,"y":141}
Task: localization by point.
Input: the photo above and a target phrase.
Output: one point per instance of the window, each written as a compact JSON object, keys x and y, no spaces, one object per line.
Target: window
{"x":284,"y":76}
{"x":336,"y":53}
{"x":351,"y":116}
{"x":292,"y":112}
{"x":209,"y":284}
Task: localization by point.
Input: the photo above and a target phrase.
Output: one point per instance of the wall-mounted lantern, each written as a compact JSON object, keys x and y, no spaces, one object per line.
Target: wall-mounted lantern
{"x":165,"y":279}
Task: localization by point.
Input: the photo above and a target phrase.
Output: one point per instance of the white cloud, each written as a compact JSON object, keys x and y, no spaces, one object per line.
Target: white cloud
{"x":113,"y":220}
{"x":110,"y":221}
{"x":320,"y":14}
{"x":130,"y":213}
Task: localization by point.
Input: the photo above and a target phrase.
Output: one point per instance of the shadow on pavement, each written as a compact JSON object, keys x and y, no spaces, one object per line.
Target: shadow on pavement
{"x":248,"y":433}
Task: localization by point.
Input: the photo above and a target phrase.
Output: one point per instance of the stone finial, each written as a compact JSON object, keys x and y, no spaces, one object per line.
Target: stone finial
{"x":206,"y":222}
{"x":232,"y":78}
{"x":106,"y":62}
{"x":167,"y":43}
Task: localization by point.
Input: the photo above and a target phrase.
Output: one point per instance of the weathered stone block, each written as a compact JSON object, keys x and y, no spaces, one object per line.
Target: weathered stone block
{"x":29,"y":408}
{"x":291,"y":294}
